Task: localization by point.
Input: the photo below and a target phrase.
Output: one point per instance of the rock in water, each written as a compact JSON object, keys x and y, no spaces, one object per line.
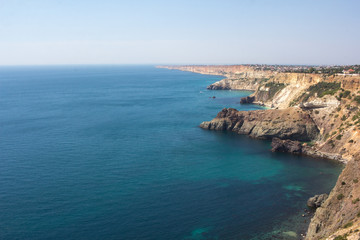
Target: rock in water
{"x":246,"y":100}
{"x":291,"y":123}
{"x":317,"y":200}
{"x":279,"y":145}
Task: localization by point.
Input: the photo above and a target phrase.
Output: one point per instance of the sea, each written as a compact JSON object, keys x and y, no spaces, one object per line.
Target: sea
{"x":116,"y":152}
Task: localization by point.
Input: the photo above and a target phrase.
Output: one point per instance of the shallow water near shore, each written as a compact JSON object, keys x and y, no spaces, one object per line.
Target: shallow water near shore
{"x":115,"y":152}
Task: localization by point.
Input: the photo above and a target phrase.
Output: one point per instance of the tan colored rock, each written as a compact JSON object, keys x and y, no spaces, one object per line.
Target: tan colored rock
{"x":341,"y":207}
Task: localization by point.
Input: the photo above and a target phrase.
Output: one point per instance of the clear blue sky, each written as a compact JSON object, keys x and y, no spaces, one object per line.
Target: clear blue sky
{"x":179,"y":32}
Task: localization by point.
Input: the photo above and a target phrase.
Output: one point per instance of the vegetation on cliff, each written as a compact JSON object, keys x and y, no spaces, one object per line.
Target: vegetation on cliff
{"x":319,"y":90}
{"x":274,"y":88}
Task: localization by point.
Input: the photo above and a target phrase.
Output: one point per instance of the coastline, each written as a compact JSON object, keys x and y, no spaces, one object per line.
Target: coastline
{"x":284,"y":93}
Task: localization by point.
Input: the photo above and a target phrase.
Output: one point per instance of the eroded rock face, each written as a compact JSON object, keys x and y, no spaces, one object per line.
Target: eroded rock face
{"x":234,"y":84}
{"x":342,"y":205}
{"x":291,"y":123}
{"x":317,"y":200}
{"x":278,"y":145}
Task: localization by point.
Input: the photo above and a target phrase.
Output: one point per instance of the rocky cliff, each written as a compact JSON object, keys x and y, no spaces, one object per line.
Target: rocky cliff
{"x":312,"y":114}
{"x":339,"y":216}
{"x":271,"y":88}
{"x":289,"y":123}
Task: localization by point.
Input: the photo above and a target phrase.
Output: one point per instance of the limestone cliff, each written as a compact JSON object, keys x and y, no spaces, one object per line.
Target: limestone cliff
{"x":271,"y":88}
{"x":340,"y":214}
{"x":312,"y":114}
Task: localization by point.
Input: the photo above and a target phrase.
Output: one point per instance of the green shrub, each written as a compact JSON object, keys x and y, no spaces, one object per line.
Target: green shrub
{"x":340,"y":237}
{"x":349,"y":224}
{"x":357,"y":99}
{"x":340,"y":196}
{"x":343,"y":118}
{"x":355,"y":200}
{"x":338,"y":137}
{"x":310,"y":144}
{"x":355,"y":180}
{"x":356,"y":116}
{"x":344,"y":94}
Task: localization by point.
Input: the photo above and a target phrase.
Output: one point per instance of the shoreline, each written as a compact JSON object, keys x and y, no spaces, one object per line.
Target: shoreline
{"x":293,"y":106}
{"x":323,"y":155}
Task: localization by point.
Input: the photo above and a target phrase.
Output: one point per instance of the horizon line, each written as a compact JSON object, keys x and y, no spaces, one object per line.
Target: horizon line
{"x":163,"y":64}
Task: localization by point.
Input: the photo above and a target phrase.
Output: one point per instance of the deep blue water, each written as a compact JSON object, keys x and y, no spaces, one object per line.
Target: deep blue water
{"x":115,"y":152}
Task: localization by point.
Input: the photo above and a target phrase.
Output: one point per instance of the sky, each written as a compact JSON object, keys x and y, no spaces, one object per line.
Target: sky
{"x":42,"y":32}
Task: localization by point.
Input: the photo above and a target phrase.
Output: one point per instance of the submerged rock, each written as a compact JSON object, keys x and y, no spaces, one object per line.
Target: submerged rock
{"x":317,"y":200}
{"x":290,"y":234}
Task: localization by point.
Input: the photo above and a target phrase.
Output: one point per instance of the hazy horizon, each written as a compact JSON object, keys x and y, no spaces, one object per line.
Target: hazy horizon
{"x":160,"y":32}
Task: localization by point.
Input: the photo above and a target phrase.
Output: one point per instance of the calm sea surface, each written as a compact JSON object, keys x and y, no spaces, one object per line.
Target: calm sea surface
{"x":115,"y":152}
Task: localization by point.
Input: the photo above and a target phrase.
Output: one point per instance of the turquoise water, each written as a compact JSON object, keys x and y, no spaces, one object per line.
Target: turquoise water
{"x":115,"y":152}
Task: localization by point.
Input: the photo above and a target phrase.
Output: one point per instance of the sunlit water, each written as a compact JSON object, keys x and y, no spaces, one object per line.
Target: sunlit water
{"x":115,"y":152}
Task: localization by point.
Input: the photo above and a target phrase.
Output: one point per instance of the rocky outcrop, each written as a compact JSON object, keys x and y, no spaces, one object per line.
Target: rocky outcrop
{"x":296,"y":147}
{"x":341,"y":207}
{"x":278,"y":145}
{"x":327,"y":101}
{"x":247,"y":100}
{"x":234,"y":84}
{"x":291,"y":123}
{"x":316,"y":201}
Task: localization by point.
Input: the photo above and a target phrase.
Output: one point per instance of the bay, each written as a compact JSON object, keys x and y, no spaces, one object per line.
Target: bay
{"x":115,"y":152}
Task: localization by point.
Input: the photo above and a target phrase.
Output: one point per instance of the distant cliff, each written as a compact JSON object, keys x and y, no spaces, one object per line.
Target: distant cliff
{"x":272,"y":89}
{"x":320,"y":113}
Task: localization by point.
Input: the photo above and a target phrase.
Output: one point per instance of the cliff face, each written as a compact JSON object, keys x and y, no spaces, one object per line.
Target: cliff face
{"x":271,"y":89}
{"x":241,"y":77}
{"x":234,"y":84}
{"x":340,"y":214}
{"x":308,"y":107}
